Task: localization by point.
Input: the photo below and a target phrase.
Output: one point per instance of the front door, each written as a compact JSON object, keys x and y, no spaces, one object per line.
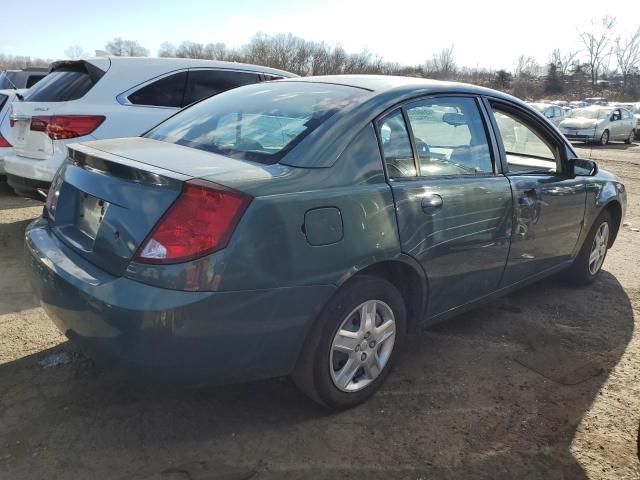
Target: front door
{"x":454,"y":210}
{"x":548,"y":204}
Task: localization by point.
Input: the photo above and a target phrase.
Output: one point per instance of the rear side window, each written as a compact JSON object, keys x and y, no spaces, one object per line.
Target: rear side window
{"x":396,"y":146}
{"x":33,"y":79}
{"x":70,"y":81}
{"x":258,"y":123}
{"x":3,"y":100}
{"x":205,"y":83}
{"x":166,"y":92}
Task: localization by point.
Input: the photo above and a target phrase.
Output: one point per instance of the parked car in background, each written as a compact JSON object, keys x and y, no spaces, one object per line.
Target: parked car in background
{"x":554,"y":113}
{"x":634,"y":109}
{"x":108,"y":97}
{"x":596,"y":101}
{"x":578,"y":104}
{"x":6,"y":97}
{"x":599,"y":124}
{"x":19,"y":79}
{"x":304,"y":226}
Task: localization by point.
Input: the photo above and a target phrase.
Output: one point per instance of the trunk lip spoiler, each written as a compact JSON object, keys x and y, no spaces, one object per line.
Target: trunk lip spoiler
{"x":106,"y":163}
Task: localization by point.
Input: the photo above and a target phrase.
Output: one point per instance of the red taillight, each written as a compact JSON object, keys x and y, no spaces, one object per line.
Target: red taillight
{"x":59,"y":127}
{"x":199,"y":222}
{"x":4,"y":142}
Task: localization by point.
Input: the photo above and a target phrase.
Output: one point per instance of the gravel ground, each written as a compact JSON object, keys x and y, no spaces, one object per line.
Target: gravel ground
{"x":542,"y":384}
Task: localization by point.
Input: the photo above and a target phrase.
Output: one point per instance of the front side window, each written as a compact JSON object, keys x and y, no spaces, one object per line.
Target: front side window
{"x":205,"y":83}
{"x":260,"y":123}
{"x":166,"y":92}
{"x":527,"y":149}
{"x":450,"y":137}
{"x":396,"y":146}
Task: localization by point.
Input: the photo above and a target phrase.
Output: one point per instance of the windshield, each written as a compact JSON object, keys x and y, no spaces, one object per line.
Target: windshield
{"x":259,"y":123}
{"x":592,"y":113}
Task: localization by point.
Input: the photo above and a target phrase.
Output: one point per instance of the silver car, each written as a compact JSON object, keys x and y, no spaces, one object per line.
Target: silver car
{"x":554,"y":113}
{"x":634,"y":109}
{"x":599,"y":124}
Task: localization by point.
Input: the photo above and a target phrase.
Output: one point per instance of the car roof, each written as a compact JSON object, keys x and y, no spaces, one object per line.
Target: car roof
{"x":390,"y":83}
{"x":178,"y":63}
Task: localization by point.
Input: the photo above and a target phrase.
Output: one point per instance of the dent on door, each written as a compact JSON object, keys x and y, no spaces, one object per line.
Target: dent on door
{"x":548,"y":218}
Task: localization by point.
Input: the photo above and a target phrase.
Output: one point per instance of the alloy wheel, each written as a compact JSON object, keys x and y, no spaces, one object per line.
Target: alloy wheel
{"x":362,"y":346}
{"x":605,"y":138}
{"x":599,"y":248}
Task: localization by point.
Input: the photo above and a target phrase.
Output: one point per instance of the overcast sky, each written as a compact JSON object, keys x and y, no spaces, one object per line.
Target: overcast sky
{"x":485,"y":33}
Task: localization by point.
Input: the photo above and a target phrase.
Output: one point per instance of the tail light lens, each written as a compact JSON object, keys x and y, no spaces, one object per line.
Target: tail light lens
{"x":199,"y":222}
{"x":4,"y":142}
{"x":59,"y":127}
{"x":53,"y":194}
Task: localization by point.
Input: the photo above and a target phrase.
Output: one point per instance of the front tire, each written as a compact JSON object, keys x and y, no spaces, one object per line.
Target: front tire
{"x":354,"y":343}
{"x":604,"y":139}
{"x":588,"y":263}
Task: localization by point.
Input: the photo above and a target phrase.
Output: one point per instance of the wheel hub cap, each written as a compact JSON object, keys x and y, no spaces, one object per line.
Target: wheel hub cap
{"x":362,"y":346}
{"x":599,"y":248}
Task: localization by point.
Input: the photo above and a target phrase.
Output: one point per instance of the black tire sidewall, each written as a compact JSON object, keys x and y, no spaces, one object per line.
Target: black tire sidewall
{"x":579,"y":272}
{"x":358,"y":291}
{"x":602,"y":138}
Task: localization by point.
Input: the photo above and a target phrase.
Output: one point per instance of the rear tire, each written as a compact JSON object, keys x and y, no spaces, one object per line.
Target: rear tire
{"x":354,"y":343}
{"x":588,"y":263}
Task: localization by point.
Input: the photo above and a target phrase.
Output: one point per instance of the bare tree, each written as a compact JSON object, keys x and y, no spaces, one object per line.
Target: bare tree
{"x":563,"y":61}
{"x":627,"y":53}
{"x":526,"y":66}
{"x":597,"y":40}
{"x":75,"y":51}
{"x":126,"y":48}
{"x":167,"y":49}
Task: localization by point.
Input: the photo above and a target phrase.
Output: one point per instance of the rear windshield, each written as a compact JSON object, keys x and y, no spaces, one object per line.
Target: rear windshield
{"x":260,"y":123}
{"x":67,"y":82}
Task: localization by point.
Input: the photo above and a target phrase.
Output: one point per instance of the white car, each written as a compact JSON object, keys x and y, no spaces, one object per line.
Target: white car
{"x":108,"y":97}
{"x":554,"y":113}
{"x":6,"y":147}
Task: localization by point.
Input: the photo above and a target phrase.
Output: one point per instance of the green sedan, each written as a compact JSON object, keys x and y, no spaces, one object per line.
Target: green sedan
{"x":304,"y":227}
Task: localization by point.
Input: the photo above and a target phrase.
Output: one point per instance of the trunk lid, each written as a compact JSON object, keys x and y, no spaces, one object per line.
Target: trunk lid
{"x":112,"y":193}
{"x":107,"y":205}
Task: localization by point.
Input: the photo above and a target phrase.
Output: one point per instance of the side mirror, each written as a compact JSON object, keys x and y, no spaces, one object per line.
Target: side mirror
{"x":454,"y":119}
{"x":583,"y":168}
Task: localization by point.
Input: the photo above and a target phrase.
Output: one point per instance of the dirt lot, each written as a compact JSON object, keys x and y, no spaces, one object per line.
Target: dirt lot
{"x":543,"y":384}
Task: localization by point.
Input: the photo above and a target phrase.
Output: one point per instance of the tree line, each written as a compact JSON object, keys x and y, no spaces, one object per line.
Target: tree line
{"x":605,"y":62}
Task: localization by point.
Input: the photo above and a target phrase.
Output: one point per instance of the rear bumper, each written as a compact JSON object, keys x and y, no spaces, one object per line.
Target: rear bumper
{"x":169,"y":335}
{"x":33,"y":169}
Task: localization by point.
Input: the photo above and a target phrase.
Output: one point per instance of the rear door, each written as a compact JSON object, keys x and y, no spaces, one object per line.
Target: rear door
{"x":548,"y":203}
{"x":453,"y":206}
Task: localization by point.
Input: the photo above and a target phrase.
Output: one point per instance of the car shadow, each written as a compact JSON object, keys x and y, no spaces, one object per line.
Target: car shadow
{"x":609,"y":146}
{"x":10,"y":200}
{"x":498,"y":392}
{"x":15,"y":291}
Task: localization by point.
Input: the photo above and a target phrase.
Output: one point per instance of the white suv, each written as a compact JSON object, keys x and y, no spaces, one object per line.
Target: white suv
{"x":108,"y":97}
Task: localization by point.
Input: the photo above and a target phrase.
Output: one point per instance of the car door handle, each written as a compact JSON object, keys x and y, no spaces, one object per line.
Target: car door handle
{"x":431,"y":201}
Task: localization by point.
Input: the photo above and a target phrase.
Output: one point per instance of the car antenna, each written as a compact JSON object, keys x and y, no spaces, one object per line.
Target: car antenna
{"x":13,"y":85}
